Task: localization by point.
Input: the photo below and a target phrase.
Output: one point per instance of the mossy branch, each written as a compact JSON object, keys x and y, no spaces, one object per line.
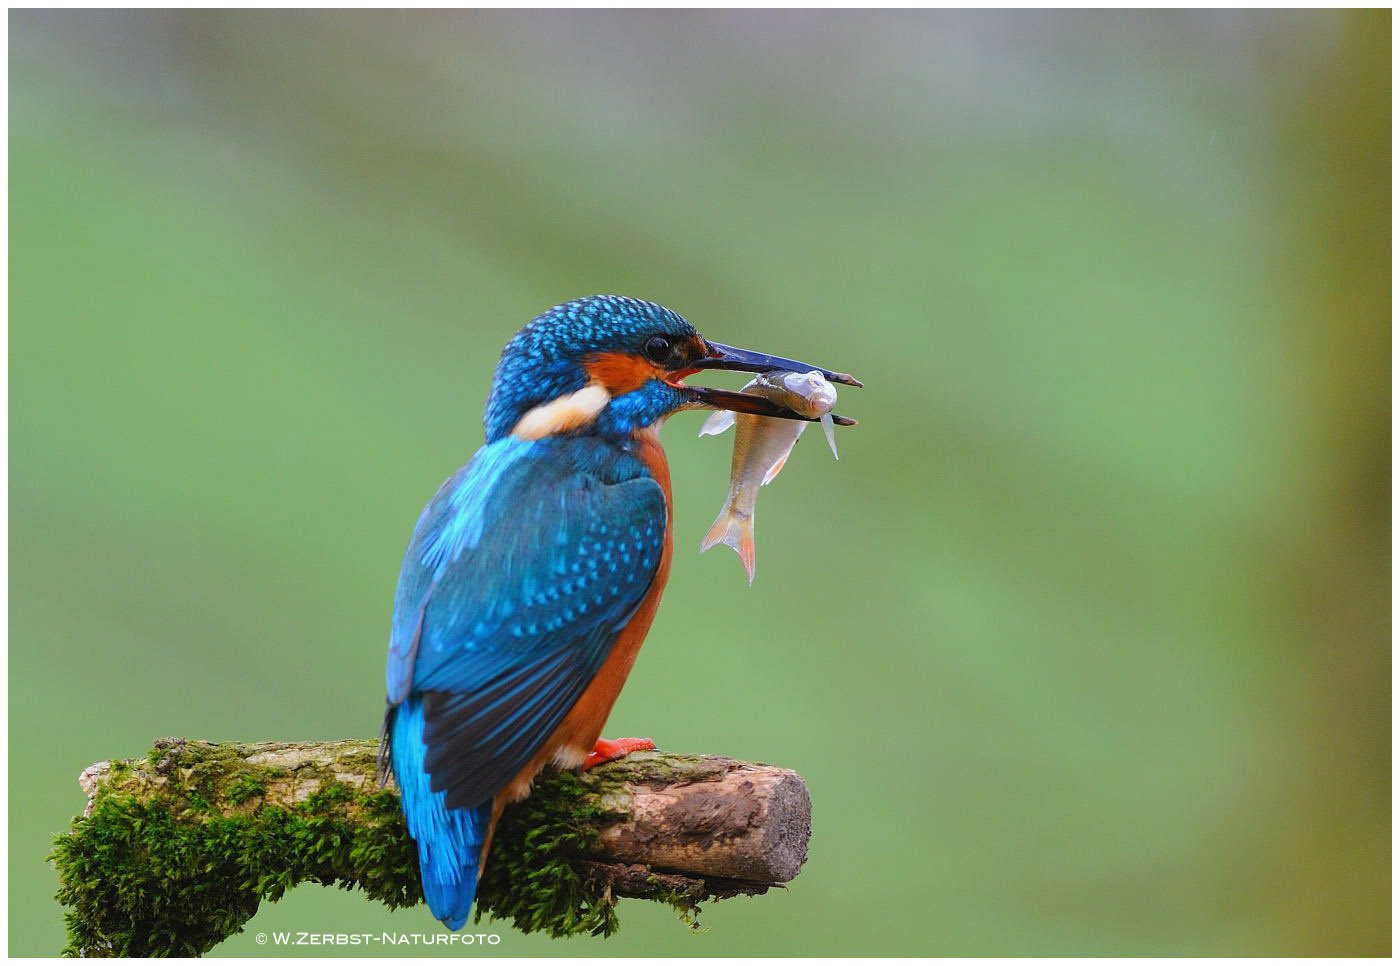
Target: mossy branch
{"x":177,"y":849}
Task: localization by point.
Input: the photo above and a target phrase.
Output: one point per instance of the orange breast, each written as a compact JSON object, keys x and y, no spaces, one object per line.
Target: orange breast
{"x":573,"y":739}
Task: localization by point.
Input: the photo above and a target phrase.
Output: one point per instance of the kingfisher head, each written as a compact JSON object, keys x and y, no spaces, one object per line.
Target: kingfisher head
{"x":611,"y":364}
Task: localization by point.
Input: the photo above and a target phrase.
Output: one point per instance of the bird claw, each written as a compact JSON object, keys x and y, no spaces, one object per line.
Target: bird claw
{"x":604,"y":750}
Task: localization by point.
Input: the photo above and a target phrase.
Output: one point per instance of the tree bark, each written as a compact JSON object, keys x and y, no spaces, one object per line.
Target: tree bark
{"x":699,"y":815}
{"x":674,"y":828}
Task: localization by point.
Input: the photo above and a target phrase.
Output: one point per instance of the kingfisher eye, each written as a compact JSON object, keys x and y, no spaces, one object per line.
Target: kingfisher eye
{"x":658,"y":348}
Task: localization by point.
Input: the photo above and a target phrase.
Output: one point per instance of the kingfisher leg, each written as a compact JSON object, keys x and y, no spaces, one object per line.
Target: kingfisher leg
{"x":604,"y":750}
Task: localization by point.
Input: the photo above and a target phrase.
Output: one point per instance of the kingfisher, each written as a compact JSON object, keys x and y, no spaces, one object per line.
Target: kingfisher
{"x":534,"y":573}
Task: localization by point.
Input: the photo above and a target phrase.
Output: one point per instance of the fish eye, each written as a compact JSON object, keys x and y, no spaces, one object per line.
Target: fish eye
{"x":658,"y":348}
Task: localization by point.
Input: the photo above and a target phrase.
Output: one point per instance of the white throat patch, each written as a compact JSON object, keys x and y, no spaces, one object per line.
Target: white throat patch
{"x":566,"y":413}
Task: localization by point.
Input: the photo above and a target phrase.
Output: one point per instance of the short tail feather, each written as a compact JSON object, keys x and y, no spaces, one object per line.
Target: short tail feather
{"x":451,"y":841}
{"x":733,"y":530}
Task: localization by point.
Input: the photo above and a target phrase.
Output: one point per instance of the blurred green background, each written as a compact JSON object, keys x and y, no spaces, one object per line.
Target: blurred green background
{"x":1083,"y":645}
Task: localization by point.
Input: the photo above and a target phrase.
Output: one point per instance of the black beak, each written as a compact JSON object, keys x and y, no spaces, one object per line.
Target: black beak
{"x":743,"y":360}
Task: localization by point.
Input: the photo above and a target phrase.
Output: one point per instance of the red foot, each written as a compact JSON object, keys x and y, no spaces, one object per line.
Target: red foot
{"x":604,"y":750}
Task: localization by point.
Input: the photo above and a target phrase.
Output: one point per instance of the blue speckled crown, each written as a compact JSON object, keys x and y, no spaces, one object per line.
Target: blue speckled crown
{"x":543,"y":361}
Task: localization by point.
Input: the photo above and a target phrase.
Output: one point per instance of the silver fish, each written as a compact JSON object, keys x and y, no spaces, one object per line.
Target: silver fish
{"x":761,"y":447}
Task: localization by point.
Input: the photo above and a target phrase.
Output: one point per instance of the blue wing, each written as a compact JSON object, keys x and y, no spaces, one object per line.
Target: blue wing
{"x":520,"y":574}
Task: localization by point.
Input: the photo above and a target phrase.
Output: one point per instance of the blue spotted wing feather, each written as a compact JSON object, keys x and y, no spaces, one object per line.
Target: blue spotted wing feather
{"x":520,"y":575}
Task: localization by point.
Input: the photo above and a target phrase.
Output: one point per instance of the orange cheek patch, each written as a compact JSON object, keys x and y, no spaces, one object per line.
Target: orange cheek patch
{"x":620,"y":372}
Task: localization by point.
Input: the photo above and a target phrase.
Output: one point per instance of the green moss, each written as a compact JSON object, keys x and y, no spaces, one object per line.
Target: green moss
{"x":177,"y":856}
{"x":243,"y":788}
{"x":686,"y":907}
{"x":139,"y":881}
{"x":333,"y":794}
{"x":653,"y":768}
{"x":530,"y":878}
{"x":158,"y":870}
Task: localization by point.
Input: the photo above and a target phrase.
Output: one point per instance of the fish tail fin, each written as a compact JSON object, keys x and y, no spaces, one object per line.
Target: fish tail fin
{"x":733,"y":530}
{"x":451,"y":841}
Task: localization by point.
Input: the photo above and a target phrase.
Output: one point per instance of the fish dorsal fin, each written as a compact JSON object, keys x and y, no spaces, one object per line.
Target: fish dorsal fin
{"x":719,"y":421}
